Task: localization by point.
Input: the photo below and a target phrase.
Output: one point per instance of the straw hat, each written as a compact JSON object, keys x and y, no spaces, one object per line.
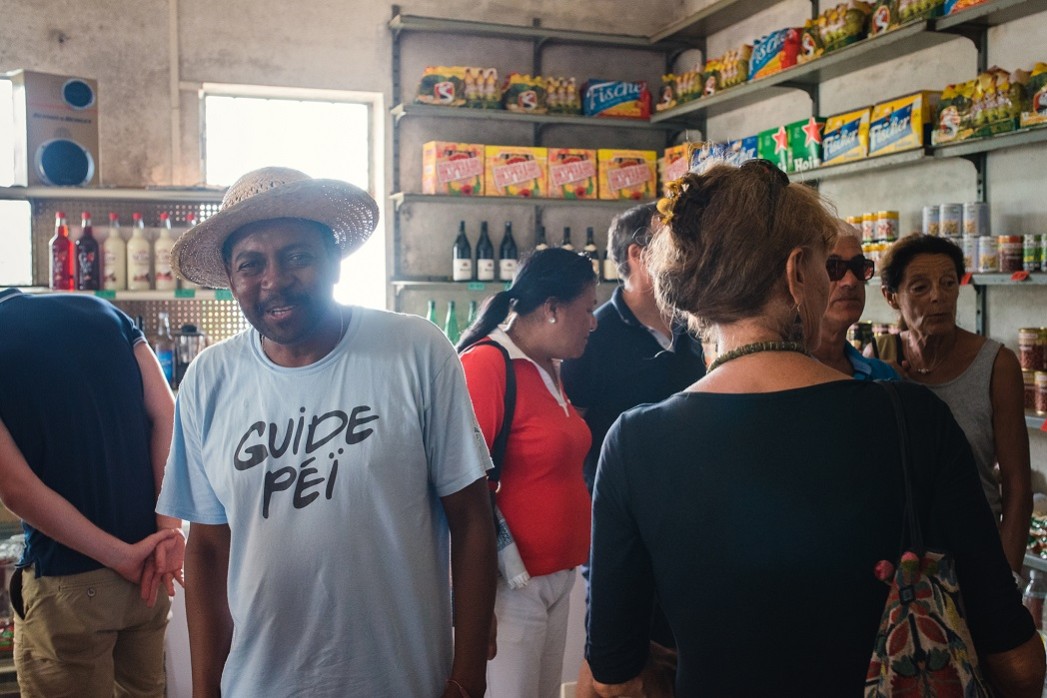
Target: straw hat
{"x":266,"y":194}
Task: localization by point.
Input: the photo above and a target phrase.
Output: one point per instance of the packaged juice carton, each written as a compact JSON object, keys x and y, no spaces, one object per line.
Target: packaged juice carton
{"x":773,"y":145}
{"x":846,"y":137}
{"x":629,"y":100}
{"x":774,"y":52}
{"x":805,"y":144}
{"x":627,"y":174}
{"x":741,"y":150}
{"x":952,"y":120}
{"x":515,"y":171}
{"x":456,"y":169}
{"x":675,"y":162}
{"x":524,"y":93}
{"x":909,"y":10}
{"x":884,"y":17}
{"x":996,"y":102}
{"x":903,"y":123}
{"x":954,"y":6}
{"x":572,"y":173}
{"x":704,"y":155}
{"x":561,"y":96}
{"x":846,"y":23}
{"x":441,"y":86}
{"x":1034,"y":110}
{"x":667,"y":98}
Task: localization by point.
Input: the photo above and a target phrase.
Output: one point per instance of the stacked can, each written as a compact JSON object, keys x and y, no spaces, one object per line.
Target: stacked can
{"x":932,"y":216}
{"x":1032,"y":355}
{"x":1032,"y":252}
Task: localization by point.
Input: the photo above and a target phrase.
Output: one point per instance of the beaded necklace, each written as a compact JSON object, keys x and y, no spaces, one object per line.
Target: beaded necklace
{"x":755,"y":348}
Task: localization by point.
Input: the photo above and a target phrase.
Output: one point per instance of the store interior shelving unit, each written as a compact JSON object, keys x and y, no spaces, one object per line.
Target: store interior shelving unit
{"x":213,"y":311}
{"x":541,"y":39}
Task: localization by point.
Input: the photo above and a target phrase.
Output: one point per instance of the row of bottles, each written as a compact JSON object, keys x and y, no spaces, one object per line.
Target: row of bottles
{"x":481,"y":267}
{"x":136,"y":264}
{"x":450,"y":325}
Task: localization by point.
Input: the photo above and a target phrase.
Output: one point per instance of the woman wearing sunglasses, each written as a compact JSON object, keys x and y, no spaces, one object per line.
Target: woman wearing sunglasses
{"x":848,"y":271}
{"x":978,"y":378}
{"x":758,"y":503}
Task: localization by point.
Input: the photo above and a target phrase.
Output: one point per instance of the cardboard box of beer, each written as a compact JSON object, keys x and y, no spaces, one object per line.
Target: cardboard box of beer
{"x":515,"y":171}
{"x":455,"y":169}
{"x":627,"y":174}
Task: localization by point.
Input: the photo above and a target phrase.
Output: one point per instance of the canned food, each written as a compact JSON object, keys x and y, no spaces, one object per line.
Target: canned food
{"x":976,"y":218}
{"x":887,"y":226}
{"x":1031,"y":260}
{"x":1029,"y":381}
{"x":969,"y":245}
{"x":950,"y":220}
{"x":1041,"y":392}
{"x":932,"y":220}
{"x":988,"y":255}
{"x":1032,"y":349}
{"x":1009,"y":250}
{"x":868,"y":227}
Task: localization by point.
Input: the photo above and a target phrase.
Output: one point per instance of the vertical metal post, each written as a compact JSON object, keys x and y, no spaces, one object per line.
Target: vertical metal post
{"x":981,"y":316}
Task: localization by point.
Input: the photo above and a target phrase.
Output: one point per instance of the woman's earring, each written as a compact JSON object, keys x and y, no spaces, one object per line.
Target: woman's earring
{"x":552,"y":320}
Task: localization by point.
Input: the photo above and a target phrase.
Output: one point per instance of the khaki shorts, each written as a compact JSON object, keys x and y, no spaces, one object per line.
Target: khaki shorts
{"x":88,"y":635}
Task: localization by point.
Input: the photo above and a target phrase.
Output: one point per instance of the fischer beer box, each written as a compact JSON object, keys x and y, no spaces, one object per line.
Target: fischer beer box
{"x":572,"y":173}
{"x":903,"y":123}
{"x":846,"y":137}
{"x":515,"y":171}
{"x":627,"y":174}
{"x":456,"y":169}
{"x":805,"y":144}
{"x":774,"y":53}
{"x":675,"y":163}
{"x":628,"y":100}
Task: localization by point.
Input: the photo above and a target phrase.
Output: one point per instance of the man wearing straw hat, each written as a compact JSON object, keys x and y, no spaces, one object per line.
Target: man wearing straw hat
{"x":327,"y":457}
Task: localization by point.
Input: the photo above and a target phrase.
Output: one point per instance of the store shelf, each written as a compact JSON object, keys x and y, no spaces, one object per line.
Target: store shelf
{"x":182,"y":294}
{"x":430,"y":111}
{"x":401,"y":199}
{"x":1035,"y":421}
{"x":159,"y":194}
{"x":1034,"y":279}
{"x":460,"y":27}
{"x":989,"y":14}
{"x":445,"y":284}
{"x":1013,"y":139}
{"x":891,"y":160}
{"x":863,"y":54}
{"x":714,"y":18}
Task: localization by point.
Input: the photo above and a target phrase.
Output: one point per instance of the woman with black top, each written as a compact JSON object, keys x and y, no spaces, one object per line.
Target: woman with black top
{"x":757,"y":503}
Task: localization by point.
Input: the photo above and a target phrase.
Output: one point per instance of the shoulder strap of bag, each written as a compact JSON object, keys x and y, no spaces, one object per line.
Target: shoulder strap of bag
{"x":500,"y":441}
{"x":911,"y":520}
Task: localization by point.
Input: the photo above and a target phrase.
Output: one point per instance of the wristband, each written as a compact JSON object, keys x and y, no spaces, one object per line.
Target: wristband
{"x":1018,"y":580}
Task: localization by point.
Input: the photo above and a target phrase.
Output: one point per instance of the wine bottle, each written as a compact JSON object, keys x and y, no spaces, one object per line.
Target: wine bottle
{"x":451,"y":325}
{"x":63,"y":257}
{"x":114,"y":257}
{"x":430,"y":312}
{"x":138,"y":256}
{"x":164,"y":347}
{"x":566,"y":242}
{"x":507,"y":255}
{"x":462,"y":255}
{"x":539,"y":239}
{"x":88,"y":261}
{"x":162,"y":272}
{"x":472,"y":314}
{"x":610,"y":269}
{"x":484,"y":255}
{"x":592,"y":251}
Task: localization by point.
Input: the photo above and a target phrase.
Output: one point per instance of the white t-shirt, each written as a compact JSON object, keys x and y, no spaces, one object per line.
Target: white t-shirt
{"x":329,"y":477}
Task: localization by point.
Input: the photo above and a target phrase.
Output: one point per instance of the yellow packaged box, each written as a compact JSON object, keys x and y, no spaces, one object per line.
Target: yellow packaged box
{"x":515,"y":171}
{"x":675,"y":163}
{"x":627,"y":174}
{"x":456,"y":169}
{"x":572,"y":173}
{"x":846,"y":137}
{"x":903,"y":123}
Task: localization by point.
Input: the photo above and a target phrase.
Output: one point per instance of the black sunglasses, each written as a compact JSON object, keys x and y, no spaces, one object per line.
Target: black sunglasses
{"x":861,"y":267}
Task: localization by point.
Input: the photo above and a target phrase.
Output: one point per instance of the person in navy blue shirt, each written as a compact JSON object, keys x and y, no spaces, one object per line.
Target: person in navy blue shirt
{"x":848,"y":271}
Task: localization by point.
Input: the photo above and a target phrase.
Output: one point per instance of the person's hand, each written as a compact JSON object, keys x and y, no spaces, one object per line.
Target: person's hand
{"x":492,"y":638}
{"x":131,"y":558}
{"x":629,"y":689}
{"x":164,"y":567}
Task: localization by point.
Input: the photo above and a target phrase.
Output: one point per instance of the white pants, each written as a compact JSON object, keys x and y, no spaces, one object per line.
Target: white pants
{"x":532,"y":633}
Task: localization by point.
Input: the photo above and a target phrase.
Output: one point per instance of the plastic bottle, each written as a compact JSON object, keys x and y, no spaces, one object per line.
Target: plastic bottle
{"x":163,"y":274}
{"x":114,"y":257}
{"x":164,"y":346}
{"x":1034,"y":596}
{"x":138,"y":256}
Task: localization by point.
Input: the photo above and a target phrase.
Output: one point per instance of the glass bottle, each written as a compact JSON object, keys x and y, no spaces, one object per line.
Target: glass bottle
{"x":138,"y":256}
{"x":484,"y":255}
{"x":462,"y":256}
{"x":610,"y":269}
{"x":592,"y":251}
{"x":162,"y":272}
{"x":566,"y":242}
{"x":164,"y":346}
{"x":539,"y":239}
{"x":114,"y":257}
{"x":430,"y":312}
{"x":508,"y":259}
{"x":451,"y":325}
{"x":63,"y":258}
{"x":472,"y":314}
{"x":88,"y":261}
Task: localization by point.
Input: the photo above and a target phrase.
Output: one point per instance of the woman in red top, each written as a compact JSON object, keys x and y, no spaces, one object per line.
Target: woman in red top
{"x":547,"y":316}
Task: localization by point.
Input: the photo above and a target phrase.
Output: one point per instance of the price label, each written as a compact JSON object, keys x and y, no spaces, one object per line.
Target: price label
{"x":475,"y":286}
{"x":1020,"y":276}
{"x":108,"y":294}
{"x":185,"y":293}
{"x":223,"y":294}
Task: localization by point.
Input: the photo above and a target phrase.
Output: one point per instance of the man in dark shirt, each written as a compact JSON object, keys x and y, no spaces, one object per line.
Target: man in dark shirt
{"x":636,"y":355}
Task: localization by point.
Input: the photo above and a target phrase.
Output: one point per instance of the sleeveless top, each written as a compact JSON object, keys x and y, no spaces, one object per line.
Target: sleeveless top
{"x":968,"y":397}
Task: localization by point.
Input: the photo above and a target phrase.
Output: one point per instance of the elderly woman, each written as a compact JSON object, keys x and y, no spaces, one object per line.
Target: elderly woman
{"x":978,"y":378}
{"x":548,"y":315}
{"x":758,"y":503}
